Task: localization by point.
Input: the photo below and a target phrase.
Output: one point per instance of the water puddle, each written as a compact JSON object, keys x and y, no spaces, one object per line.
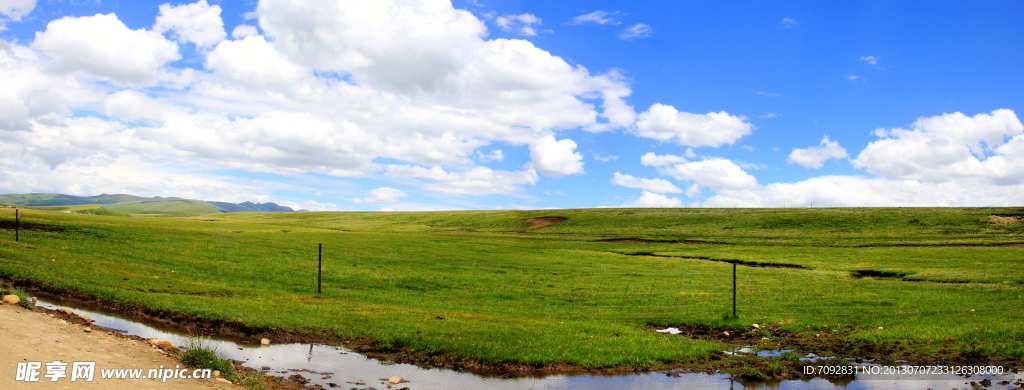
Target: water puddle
{"x":326,"y":365}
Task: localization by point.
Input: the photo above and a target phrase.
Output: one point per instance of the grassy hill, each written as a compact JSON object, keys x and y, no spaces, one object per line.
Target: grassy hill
{"x":123,"y":204}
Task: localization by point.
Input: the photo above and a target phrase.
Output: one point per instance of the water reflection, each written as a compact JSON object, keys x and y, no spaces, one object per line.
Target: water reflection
{"x":326,"y":365}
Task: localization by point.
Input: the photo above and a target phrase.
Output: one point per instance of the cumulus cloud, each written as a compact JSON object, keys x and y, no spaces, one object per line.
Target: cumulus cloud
{"x":16,"y":9}
{"x":650,"y":199}
{"x":199,"y":23}
{"x":787,"y":22}
{"x":638,"y":30}
{"x":312,"y":205}
{"x":495,"y":155}
{"x":130,"y":105}
{"x":28,"y":94}
{"x":477,"y":181}
{"x":596,"y":17}
{"x":944,"y":160}
{"x":718,"y":174}
{"x":382,"y":195}
{"x":244,"y":30}
{"x":654,"y":160}
{"x":104,"y":47}
{"x":555,"y":158}
{"x":814,"y":157}
{"x":665,"y":123}
{"x":328,"y":88}
{"x":522,"y":24}
{"x":871,"y":60}
{"x":254,"y":63}
{"x":652,"y":185}
{"x":950,"y":147}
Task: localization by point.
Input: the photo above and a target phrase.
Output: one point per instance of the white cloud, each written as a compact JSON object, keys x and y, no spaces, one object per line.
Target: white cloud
{"x":522,"y":24}
{"x":950,"y":147}
{"x":652,"y":185}
{"x":654,"y":160}
{"x":244,"y":30}
{"x":769,"y":94}
{"x":650,"y":199}
{"x":555,"y":158}
{"x":28,"y":94}
{"x":495,"y":155}
{"x":382,"y":195}
{"x":312,"y":205}
{"x":602,"y":157}
{"x":770,"y":115}
{"x":787,"y":22}
{"x":871,"y":60}
{"x":814,"y":157}
{"x":939,"y":161}
{"x":129,"y":105}
{"x":638,"y":30}
{"x":253,"y":62}
{"x":854,"y":191}
{"x":596,"y":17}
{"x":664,"y":123}
{"x":199,"y":23}
{"x":477,"y":181}
{"x":16,"y":9}
{"x":718,"y":174}
{"x":854,"y":78}
{"x":104,"y":47}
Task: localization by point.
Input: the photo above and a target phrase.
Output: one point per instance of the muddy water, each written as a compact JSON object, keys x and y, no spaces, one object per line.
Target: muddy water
{"x":326,"y":365}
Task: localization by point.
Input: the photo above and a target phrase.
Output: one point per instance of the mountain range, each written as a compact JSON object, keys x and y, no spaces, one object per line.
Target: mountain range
{"x":123,"y":204}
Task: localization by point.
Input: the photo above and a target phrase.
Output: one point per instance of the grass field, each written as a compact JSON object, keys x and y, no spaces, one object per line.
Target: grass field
{"x":585,"y":291}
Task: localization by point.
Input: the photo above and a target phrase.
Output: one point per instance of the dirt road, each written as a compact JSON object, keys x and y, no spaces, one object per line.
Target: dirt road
{"x":28,"y":336}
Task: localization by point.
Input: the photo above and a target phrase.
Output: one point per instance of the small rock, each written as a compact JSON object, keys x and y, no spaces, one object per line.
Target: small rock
{"x":817,"y":335}
{"x":726,"y":333}
{"x":880,"y":328}
{"x":87,"y":329}
{"x":66,"y":311}
{"x":216,"y":373}
{"x":764,"y":339}
{"x":12,"y":299}
{"x":269,"y":374}
{"x":264,"y":342}
{"x":163,"y":344}
{"x":756,"y":326}
{"x":395,"y":380}
{"x":34,"y":342}
{"x":84,"y":317}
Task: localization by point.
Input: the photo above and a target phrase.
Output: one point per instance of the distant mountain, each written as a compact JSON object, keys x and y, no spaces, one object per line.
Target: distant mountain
{"x":136,"y":205}
{"x":269,"y":206}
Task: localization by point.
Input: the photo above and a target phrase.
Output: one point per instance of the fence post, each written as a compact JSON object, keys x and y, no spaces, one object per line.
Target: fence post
{"x":319,"y":266}
{"x":733,"y":290}
{"x":17,"y":225}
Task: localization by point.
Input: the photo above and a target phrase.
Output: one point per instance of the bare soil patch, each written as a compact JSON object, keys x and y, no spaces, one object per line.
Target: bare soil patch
{"x":1004,"y":219}
{"x":539,"y":222}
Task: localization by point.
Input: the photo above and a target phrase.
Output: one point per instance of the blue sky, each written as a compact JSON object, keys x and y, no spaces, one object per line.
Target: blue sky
{"x":434,"y":105}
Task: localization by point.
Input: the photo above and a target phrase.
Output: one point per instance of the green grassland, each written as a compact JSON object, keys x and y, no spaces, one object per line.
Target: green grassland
{"x":586,"y":291}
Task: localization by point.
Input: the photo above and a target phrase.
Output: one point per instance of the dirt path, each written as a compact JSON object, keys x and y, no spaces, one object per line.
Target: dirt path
{"x":29,"y":336}
{"x":539,"y":222}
